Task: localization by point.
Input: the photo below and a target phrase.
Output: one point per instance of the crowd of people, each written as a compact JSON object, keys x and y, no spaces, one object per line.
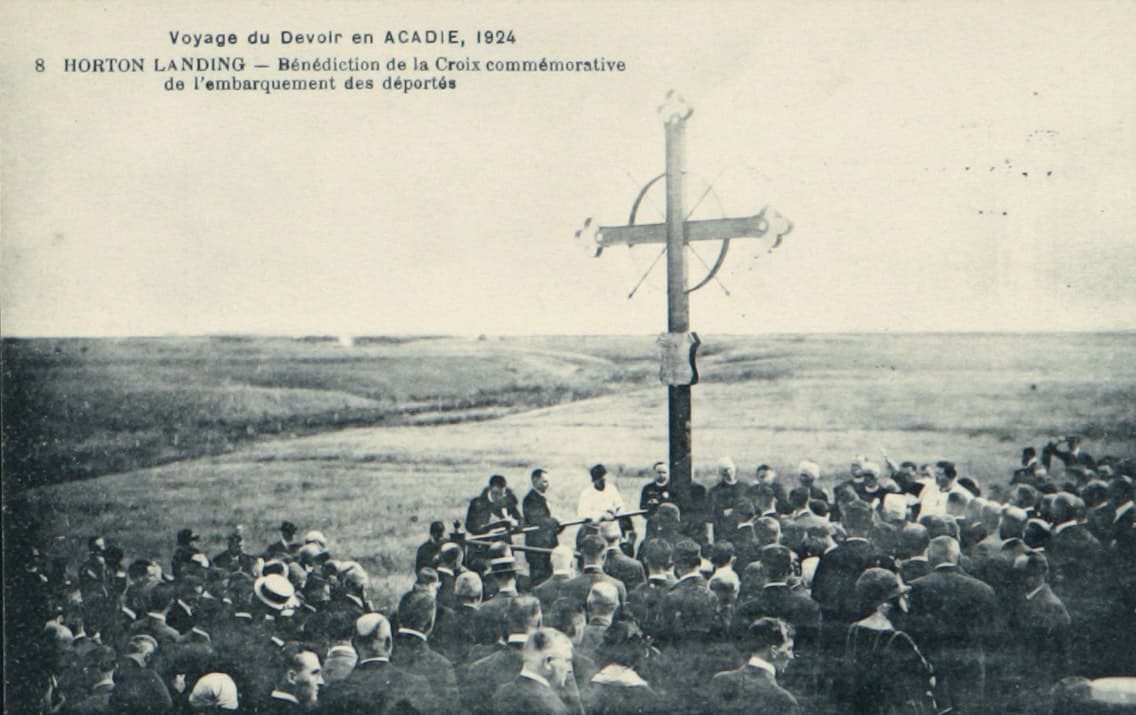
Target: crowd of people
{"x":904,"y":589}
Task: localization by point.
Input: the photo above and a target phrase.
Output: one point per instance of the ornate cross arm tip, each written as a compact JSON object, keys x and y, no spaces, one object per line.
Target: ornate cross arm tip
{"x":675,"y":108}
{"x":592,"y":236}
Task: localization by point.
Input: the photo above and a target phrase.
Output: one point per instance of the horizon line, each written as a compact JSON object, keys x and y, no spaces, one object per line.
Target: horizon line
{"x":476,"y":336}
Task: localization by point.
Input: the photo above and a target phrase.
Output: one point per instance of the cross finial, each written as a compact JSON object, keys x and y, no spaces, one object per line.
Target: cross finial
{"x":674,"y":108}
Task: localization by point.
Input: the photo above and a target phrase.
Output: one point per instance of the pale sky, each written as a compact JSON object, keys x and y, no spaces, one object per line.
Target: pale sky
{"x":947,"y":166}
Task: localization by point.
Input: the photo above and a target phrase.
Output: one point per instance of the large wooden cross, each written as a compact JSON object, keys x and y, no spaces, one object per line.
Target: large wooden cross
{"x":679,"y":344}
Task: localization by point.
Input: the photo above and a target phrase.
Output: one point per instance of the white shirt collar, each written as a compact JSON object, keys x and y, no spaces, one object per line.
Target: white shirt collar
{"x":762,"y":664}
{"x":517,"y":638}
{"x":1031,"y":594}
{"x":341,"y":648}
{"x":411,"y":631}
{"x":693,"y":574}
{"x":281,"y":695}
{"x":1122,"y":509}
{"x":567,"y":573}
{"x":1063,"y":526}
{"x":376,"y":659}
{"x":526,"y":673}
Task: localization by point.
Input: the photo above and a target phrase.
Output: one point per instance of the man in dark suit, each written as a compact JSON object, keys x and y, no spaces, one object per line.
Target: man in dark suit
{"x":537,"y":513}
{"x":97,"y":698}
{"x":688,"y":609}
{"x":645,"y":601}
{"x":234,"y":558}
{"x":153,"y":623}
{"x":592,"y":552}
{"x":547,"y":667}
{"x":137,"y":688}
{"x":834,"y":585}
{"x":493,"y":612}
{"x":1076,"y":560}
{"x":449,"y":568}
{"x":285,"y":546}
{"x":753,"y":687}
{"x":482,"y":678}
{"x":953,"y":616}
{"x":722,"y":497}
{"x":375,"y":685}
{"x":1038,"y":626}
{"x":495,"y":507}
{"x":413,"y":654}
{"x":461,"y":631}
{"x":562,"y":560}
{"x":778,"y":600}
{"x":427,"y":553}
{"x":656,"y":493}
{"x":617,"y":564}
{"x":185,"y":551}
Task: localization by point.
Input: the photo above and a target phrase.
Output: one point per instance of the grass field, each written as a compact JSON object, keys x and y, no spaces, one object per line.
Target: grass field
{"x":447,"y":412}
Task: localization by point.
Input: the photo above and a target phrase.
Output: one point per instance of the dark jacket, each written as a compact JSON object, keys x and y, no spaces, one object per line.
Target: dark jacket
{"x":537,"y":513}
{"x":483,"y":515}
{"x":525,"y":696}
{"x":834,"y":585}
{"x":621,"y":566}
{"x":752,"y":690}
{"x":688,"y":610}
{"x":412,"y":655}
{"x":951,"y":611}
{"x":375,"y":686}
{"x":138,"y":690}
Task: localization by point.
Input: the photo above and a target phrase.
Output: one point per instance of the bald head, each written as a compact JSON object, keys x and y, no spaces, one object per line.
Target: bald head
{"x":943,"y":550}
{"x":373,"y":636}
{"x":563,"y":560}
{"x":468,"y":588}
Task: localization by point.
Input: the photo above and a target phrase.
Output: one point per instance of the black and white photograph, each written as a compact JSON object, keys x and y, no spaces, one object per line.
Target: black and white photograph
{"x":568,"y":357}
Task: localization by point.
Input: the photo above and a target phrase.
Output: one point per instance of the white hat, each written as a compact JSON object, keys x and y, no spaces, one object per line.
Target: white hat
{"x":274,"y":591}
{"x":315,"y":537}
{"x":810,"y":468}
{"x":214,"y":690}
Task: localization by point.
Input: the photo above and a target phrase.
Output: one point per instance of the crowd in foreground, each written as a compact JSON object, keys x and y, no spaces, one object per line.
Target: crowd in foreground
{"x":905,"y":589}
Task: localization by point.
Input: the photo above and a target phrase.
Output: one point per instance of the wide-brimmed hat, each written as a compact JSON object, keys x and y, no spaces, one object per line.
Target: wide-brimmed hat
{"x":275,"y":591}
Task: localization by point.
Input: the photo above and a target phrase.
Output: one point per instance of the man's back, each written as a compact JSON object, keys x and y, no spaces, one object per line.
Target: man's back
{"x":375,"y":686}
{"x":688,"y":610}
{"x":482,"y":678}
{"x":645,"y":602}
{"x":750,"y":689}
{"x":413,"y":655}
{"x":620,"y":566}
{"x":525,"y":696}
{"x":550,"y":590}
{"x":951,"y":610}
{"x":834,"y":586}
{"x":577,"y":589}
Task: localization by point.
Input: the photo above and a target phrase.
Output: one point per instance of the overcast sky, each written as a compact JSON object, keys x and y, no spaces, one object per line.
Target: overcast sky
{"x":946,"y":166}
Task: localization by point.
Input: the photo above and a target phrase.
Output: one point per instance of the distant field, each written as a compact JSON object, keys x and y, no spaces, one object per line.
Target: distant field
{"x":449,"y":412}
{"x":80,"y":408}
